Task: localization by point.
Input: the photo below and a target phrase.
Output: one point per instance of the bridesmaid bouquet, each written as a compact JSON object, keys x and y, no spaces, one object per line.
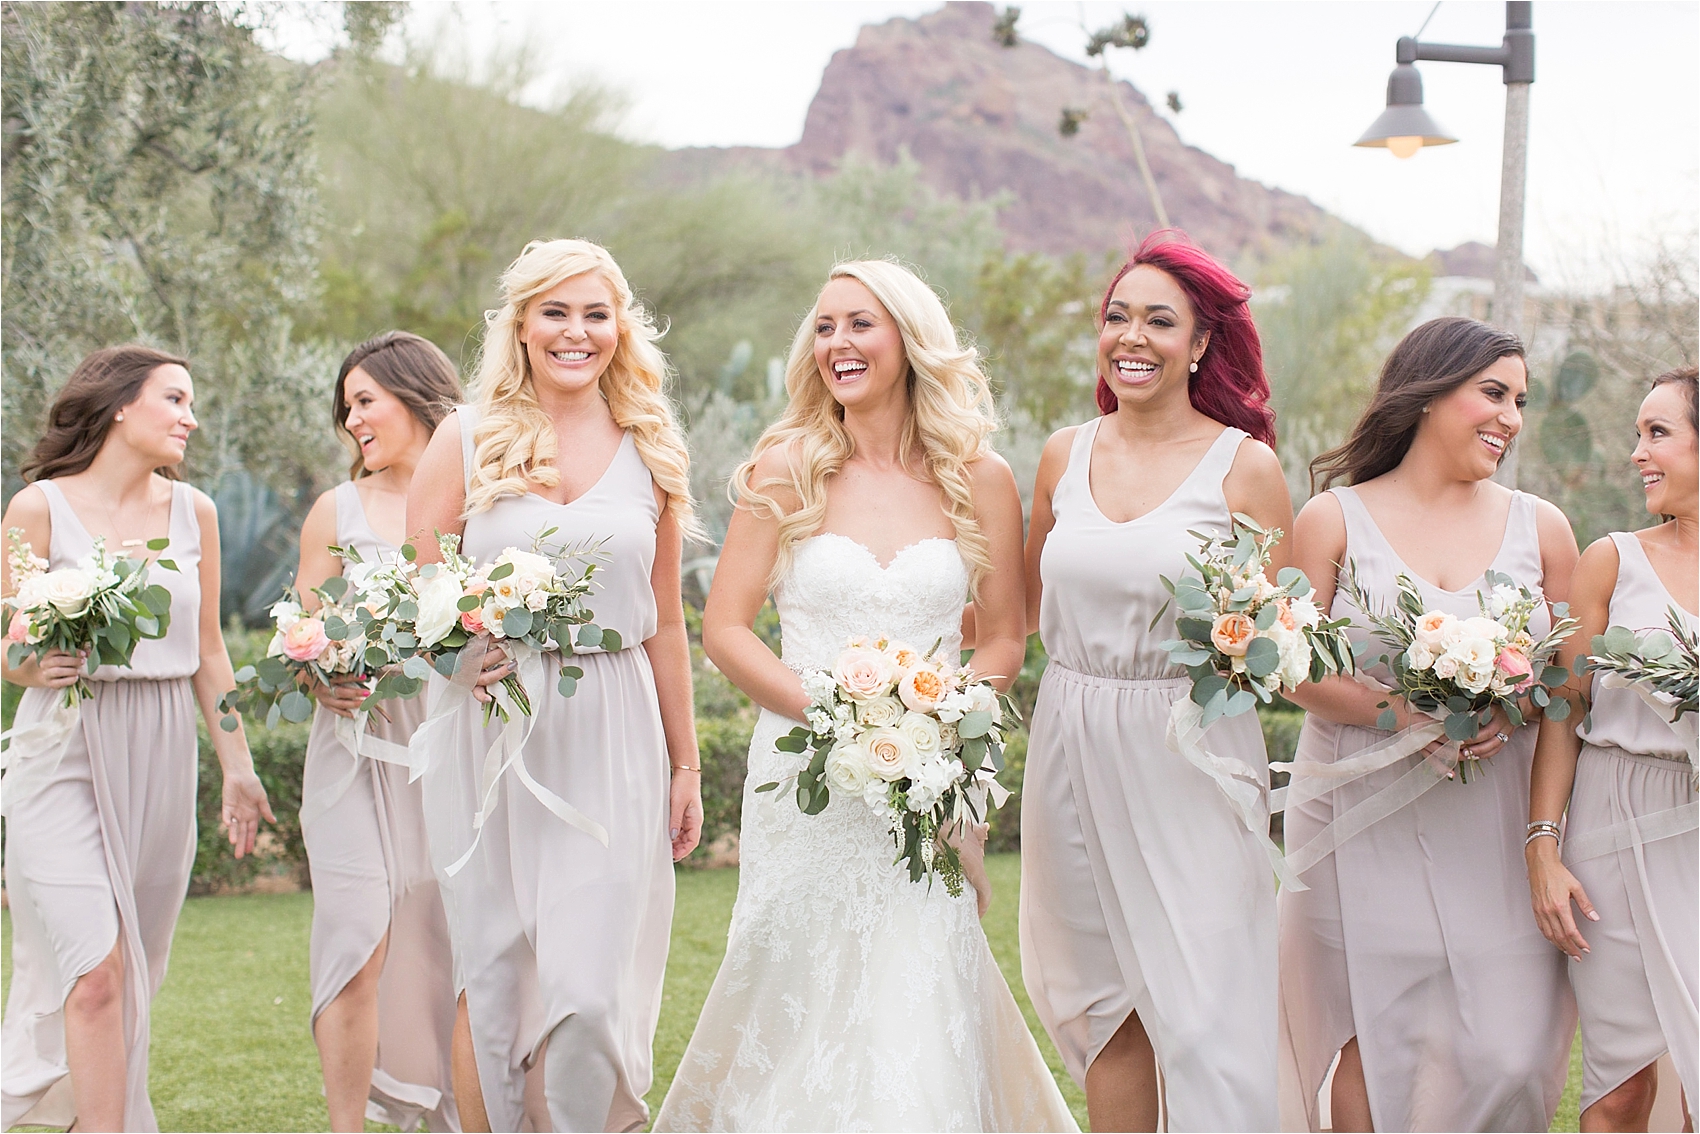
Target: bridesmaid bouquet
{"x":1242,"y":638}
{"x":328,"y":644}
{"x":1663,"y":662}
{"x":103,"y":605}
{"x":917,"y":740}
{"x":1459,"y":670}
{"x":426,"y":617}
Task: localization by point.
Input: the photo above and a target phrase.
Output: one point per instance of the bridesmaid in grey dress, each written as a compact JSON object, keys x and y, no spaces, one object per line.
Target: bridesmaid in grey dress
{"x":1407,"y":965}
{"x":1626,"y":775}
{"x":383,"y":989}
{"x":561,"y":905}
{"x":1147,"y":904}
{"x":100,"y":831}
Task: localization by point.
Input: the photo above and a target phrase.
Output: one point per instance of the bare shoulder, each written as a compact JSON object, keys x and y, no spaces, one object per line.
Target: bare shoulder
{"x":1255,"y":459}
{"x":1321,"y":518}
{"x":990,"y":471}
{"x":28,"y":508}
{"x":1053,"y":460}
{"x":1596,"y":570}
{"x":322,"y":515}
{"x":774,"y":474}
{"x":205,"y":510}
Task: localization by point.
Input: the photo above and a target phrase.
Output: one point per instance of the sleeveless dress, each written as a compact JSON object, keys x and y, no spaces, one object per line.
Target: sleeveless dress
{"x":1416,"y":934}
{"x":1141,"y":889}
{"x":100,"y":853}
{"x":364,"y":827}
{"x":851,"y":998}
{"x":1634,"y":801}
{"x":560,"y":942}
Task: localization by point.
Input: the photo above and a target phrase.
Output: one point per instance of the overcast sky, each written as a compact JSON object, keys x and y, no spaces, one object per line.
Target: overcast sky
{"x":1280,"y":90}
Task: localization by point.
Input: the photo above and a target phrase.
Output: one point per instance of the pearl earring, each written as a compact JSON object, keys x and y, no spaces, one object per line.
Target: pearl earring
{"x":120,"y":417}
{"x":1193,"y":368}
{"x":1425,"y":409}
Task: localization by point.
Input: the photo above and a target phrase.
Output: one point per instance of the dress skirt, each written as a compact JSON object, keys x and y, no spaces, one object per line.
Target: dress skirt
{"x":1416,"y":936}
{"x":371,"y":868}
{"x":1638,"y":983}
{"x":1142,"y":892}
{"x":99,"y":855}
{"x":561,"y":942}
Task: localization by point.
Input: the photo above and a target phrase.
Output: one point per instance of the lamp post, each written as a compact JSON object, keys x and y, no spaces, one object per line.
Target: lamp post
{"x":1405,"y":127}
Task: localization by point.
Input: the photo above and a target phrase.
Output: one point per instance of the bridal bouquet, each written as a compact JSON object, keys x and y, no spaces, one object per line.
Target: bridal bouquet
{"x":1243,"y":638}
{"x":304,"y":646}
{"x":103,"y":605}
{"x":917,"y":740}
{"x":1664,"y":662}
{"x":1460,"y":669}
{"x":424,"y":617}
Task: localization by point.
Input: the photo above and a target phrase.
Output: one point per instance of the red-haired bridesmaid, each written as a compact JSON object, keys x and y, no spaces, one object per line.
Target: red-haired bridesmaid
{"x":1147,"y":905}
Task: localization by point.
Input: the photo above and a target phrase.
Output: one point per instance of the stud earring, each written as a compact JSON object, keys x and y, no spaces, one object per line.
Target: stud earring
{"x":1425,"y":409}
{"x":120,"y":417}
{"x":1193,"y":368}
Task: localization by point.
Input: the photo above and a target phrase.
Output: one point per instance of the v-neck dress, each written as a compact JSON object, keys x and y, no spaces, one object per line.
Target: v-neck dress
{"x":371,"y":867}
{"x":1141,"y":890}
{"x":561,"y":942}
{"x":100,"y":853}
{"x":1638,"y":986}
{"x":1416,"y":934}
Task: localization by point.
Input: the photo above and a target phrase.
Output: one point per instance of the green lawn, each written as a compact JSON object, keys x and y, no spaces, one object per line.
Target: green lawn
{"x":231,"y":1050}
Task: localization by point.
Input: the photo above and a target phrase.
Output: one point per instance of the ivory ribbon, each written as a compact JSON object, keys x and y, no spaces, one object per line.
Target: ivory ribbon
{"x":1244,"y":791}
{"x":351,"y":733}
{"x":435,"y":740}
{"x":33,"y":752}
{"x":1632,"y":832}
{"x":1663,"y":706}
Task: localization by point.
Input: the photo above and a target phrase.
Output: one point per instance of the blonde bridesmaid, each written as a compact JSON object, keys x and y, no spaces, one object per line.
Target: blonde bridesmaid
{"x":383,"y":989}
{"x":1622,"y":784}
{"x":1407,"y":966}
{"x":562,"y":912}
{"x":100,"y":835}
{"x":1147,"y":903}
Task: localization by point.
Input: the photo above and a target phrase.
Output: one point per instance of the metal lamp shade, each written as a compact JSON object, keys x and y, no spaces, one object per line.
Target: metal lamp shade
{"x":1405,"y":119}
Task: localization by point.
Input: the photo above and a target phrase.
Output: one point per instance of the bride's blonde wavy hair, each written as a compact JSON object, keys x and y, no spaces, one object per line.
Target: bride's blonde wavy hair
{"x":950,"y":418}
{"x":514,"y":444}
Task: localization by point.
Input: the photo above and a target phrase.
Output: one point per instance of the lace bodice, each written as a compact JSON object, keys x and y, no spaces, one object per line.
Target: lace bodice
{"x":852,"y":998}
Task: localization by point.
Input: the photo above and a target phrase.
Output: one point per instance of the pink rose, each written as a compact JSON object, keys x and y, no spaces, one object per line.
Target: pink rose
{"x":864,"y":673}
{"x":305,"y":640}
{"x":1514,"y":664}
{"x":19,"y":630}
{"x":472,"y":621}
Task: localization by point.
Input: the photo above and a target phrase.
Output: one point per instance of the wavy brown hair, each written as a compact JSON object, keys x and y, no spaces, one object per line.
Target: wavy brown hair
{"x":1689,"y":379}
{"x":82,"y":413}
{"x":415,"y":370}
{"x":1428,"y":363}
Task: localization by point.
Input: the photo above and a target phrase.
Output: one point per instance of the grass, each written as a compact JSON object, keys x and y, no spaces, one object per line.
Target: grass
{"x":231,"y":1049}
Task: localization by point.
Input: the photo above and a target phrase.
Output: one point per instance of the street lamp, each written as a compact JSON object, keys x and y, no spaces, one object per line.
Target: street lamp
{"x":1405,"y":127}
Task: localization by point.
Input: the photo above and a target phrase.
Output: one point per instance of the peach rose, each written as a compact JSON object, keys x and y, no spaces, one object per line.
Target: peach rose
{"x":1232,"y":634}
{"x":472,"y":621}
{"x":864,"y":673}
{"x":305,"y":640}
{"x":920,"y":689}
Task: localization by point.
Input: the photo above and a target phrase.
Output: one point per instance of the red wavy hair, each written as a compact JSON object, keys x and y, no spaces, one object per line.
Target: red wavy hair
{"x":1230,"y":386}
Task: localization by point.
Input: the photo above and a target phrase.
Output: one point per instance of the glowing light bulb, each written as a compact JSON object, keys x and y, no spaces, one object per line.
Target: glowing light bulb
{"x":1405,"y":146}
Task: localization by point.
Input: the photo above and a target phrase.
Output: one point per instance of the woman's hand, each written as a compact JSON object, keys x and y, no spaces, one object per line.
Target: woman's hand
{"x":1551,"y":890}
{"x":244,"y":805}
{"x":60,"y":668}
{"x":1494,"y":735}
{"x":969,"y":839}
{"x":497,"y":665}
{"x":684,"y":812}
{"x":342,"y":695}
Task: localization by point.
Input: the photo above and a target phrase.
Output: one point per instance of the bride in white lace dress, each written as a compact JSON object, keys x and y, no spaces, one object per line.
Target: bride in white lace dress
{"x":852,"y":998}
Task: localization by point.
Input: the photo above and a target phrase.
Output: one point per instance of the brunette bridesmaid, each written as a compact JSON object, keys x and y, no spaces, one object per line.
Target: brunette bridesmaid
{"x":1407,"y":962}
{"x":383,"y":989}
{"x":100,"y":834}
{"x":1147,"y":904}
{"x":1622,"y":783}
{"x":562,"y":912}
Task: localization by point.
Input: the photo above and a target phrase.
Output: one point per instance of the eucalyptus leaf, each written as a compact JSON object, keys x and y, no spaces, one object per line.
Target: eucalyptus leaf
{"x":589,"y":636}
{"x":1461,"y":726}
{"x":974,"y":725}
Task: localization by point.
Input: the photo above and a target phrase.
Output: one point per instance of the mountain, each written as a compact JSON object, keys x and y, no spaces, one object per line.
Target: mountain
{"x":981,"y":119}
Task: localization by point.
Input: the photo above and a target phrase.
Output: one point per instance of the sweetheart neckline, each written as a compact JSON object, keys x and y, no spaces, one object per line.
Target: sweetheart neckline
{"x":901,"y":552}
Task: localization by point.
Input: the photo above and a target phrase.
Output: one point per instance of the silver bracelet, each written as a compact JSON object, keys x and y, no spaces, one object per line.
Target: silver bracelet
{"x":1542,"y":824}
{"x":1544,"y":831}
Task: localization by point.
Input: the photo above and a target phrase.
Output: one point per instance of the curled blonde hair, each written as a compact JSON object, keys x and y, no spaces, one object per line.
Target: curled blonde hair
{"x":514,"y":444}
{"x":950,"y":419}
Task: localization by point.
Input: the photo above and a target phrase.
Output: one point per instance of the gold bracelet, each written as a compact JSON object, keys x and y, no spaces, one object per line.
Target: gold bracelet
{"x":686,"y":768}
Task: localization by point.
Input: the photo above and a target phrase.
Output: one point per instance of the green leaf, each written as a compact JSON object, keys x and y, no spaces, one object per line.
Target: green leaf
{"x":415,"y":667}
{"x":336,"y":629}
{"x":1207,"y":687}
{"x":377,"y":656}
{"x":1553,"y":675}
{"x":1619,"y":640}
{"x":1215,"y":707}
{"x":1559,"y":709}
{"x":500,"y":572}
{"x":1388,"y":721}
{"x":1267,"y":616}
{"x":1243,"y":701}
{"x":159,"y":544}
{"x":147,"y":627}
{"x":567,"y":685}
{"x":1262,"y":657}
{"x":767,"y":787}
{"x":572,"y":671}
{"x":467,"y":602}
{"x":335,"y":587}
{"x":1539,"y":696}
{"x":166,"y":564}
{"x":273,"y":670}
{"x":589,"y":636}
{"x":516,"y":623}
{"x":1460,"y":726}
{"x":409,"y":552}
{"x":407,"y":611}
{"x":228,"y":722}
{"x":973,"y":753}
{"x":612,"y":642}
{"x":974,"y":725}
{"x":791,"y":742}
{"x":296,"y":705}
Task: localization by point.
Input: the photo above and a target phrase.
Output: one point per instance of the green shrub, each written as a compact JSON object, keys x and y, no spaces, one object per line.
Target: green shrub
{"x":279,"y":755}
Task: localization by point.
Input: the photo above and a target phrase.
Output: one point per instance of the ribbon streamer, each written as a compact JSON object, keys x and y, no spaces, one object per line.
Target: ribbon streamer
{"x":1244,"y":791}
{"x":508,"y":749}
{"x":1664,"y":707}
{"x":1632,"y":832}
{"x":351,"y":733}
{"x":33,"y":751}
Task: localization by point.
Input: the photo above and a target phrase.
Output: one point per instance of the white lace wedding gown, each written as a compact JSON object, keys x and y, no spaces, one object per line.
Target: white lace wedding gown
{"x":851,"y":998}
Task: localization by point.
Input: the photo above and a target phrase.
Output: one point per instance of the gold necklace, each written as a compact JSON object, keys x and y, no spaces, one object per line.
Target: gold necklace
{"x":147,"y":520}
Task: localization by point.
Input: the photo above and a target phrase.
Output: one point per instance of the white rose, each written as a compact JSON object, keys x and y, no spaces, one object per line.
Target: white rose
{"x":923,"y":733}
{"x":439,"y":598}
{"x":29,"y":593}
{"x":881,"y":712}
{"x":1482,"y":628}
{"x":1304,"y":612}
{"x":1475,"y":678}
{"x":889,"y":752}
{"x":68,"y":590}
{"x":983,"y":699}
{"x":847,"y":769}
{"x":531,"y":570}
{"x":536,"y":601}
{"x":1475,"y":653}
{"x":1294,"y":669}
{"x":1436,"y":629}
{"x":1419,"y":656}
{"x":1446,"y":665}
